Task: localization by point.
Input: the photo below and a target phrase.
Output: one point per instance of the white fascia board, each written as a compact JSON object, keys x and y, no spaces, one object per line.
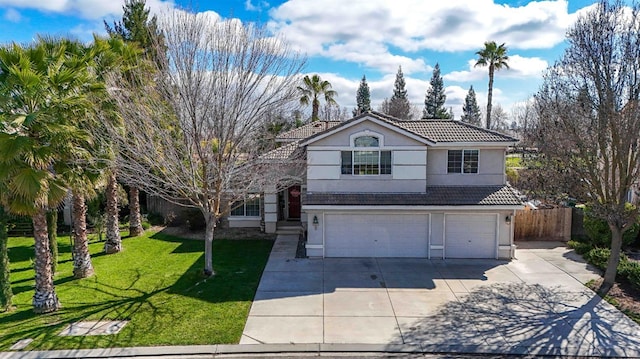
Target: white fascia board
{"x":351,"y":208}
{"x":385,"y":124}
{"x":474,"y":144}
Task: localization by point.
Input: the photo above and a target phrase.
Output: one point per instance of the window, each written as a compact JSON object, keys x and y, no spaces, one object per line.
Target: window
{"x":367,"y":161}
{"x":247,"y":208}
{"x":462,"y":161}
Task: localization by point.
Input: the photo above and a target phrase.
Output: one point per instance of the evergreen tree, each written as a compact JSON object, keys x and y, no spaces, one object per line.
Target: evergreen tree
{"x":435,"y":98}
{"x":470,"y":110}
{"x":399,"y":105}
{"x":136,"y":26}
{"x":363,"y":98}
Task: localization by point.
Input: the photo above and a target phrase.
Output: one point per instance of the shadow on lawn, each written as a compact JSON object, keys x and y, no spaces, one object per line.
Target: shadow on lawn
{"x":533,"y":319}
{"x":238,"y":266}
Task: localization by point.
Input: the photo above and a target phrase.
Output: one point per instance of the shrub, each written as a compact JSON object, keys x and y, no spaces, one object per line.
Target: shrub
{"x":598,"y":257}
{"x":155,"y":219}
{"x":194,"y":219}
{"x":146,"y":225}
{"x":599,"y":233}
{"x":580,"y":247}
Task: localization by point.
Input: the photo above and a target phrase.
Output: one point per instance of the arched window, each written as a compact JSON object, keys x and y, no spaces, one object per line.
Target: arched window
{"x":366,"y":141}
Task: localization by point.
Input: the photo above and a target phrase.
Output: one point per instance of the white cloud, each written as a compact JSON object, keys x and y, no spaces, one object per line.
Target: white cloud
{"x":519,"y":67}
{"x":249,"y":6}
{"x":87,"y":9}
{"x":366,"y":32}
{"x":12,"y":15}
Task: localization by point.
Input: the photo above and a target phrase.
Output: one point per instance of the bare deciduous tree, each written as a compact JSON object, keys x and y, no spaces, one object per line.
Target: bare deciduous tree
{"x":194,"y":125}
{"x":589,"y":115}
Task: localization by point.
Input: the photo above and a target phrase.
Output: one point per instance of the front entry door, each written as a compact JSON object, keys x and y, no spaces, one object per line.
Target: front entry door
{"x":293,"y":194}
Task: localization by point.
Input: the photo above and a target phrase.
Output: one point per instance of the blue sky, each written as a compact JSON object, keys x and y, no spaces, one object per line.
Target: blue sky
{"x":344,"y":40}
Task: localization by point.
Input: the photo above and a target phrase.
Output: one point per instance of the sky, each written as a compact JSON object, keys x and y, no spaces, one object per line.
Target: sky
{"x":345,"y":40}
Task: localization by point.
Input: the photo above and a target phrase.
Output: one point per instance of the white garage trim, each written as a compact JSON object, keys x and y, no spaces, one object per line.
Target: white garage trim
{"x":496,"y":228}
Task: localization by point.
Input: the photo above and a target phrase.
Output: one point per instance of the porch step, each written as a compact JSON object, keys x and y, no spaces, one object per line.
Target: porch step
{"x":289,"y":229}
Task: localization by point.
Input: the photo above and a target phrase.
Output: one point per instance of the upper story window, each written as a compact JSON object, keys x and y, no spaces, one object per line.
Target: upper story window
{"x":369,"y":161}
{"x":462,"y":161}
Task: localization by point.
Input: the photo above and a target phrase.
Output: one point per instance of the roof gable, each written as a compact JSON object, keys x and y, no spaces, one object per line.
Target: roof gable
{"x":368,"y":116}
{"x":430,"y":132}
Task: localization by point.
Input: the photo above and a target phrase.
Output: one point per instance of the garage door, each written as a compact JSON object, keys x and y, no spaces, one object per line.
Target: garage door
{"x":376,"y":235}
{"x":470,"y":236}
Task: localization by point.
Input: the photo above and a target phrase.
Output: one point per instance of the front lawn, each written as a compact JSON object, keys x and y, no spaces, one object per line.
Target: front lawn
{"x":155,"y":283}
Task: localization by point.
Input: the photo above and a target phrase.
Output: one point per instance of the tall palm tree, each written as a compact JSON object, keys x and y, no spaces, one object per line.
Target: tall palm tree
{"x":496,"y":58}
{"x":42,"y":97}
{"x":312,"y":88}
{"x":112,"y":54}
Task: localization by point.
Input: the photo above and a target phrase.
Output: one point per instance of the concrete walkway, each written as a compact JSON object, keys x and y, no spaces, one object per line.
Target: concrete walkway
{"x":535,"y":304}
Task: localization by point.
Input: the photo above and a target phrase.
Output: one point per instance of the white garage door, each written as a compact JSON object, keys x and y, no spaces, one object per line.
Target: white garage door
{"x":470,"y":236}
{"x":376,"y":235}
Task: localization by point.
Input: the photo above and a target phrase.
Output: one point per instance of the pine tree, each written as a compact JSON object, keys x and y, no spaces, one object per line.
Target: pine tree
{"x":470,"y":110}
{"x":136,"y":26}
{"x":399,"y":105}
{"x":435,"y":98}
{"x":363,"y":98}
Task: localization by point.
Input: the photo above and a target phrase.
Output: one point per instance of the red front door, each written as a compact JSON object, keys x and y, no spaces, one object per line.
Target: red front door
{"x":293,"y":194}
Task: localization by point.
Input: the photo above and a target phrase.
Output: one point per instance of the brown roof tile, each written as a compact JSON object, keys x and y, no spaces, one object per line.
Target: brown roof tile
{"x":306,"y":130}
{"x":434,"y":196}
{"x":437,"y":131}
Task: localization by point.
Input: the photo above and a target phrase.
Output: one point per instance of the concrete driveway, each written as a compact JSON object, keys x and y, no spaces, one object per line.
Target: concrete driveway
{"x":535,"y":304}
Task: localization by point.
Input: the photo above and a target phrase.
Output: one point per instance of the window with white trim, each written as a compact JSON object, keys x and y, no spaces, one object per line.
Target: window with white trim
{"x":369,"y":160}
{"x":247,"y":208}
{"x":462,"y":161}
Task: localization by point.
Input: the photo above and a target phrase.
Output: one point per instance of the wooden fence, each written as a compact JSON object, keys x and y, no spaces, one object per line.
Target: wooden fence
{"x":543,"y":225}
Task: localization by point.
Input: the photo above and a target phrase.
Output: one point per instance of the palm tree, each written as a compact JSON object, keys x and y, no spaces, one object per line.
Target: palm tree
{"x":112,"y":54}
{"x":312,"y":88}
{"x":42,"y":98}
{"x":496,"y":58}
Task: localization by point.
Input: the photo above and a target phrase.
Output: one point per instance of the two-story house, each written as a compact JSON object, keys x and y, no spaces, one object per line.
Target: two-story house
{"x":377,"y":186}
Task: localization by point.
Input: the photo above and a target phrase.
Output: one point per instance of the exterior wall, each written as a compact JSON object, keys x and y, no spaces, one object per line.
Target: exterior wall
{"x":408,"y":159}
{"x":315,"y":235}
{"x":270,"y":210}
{"x":490,"y":169}
{"x":240,"y":222}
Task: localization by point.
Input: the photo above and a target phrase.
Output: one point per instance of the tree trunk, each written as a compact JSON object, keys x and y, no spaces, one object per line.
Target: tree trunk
{"x":614,"y":260}
{"x":45,"y":299}
{"x":489,"y":96}
{"x":52,"y":231}
{"x":6,"y":294}
{"x":135,"y":222}
{"x":315,"y":108}
{"x":210,"y":222}
{"x":82,"y":267}
{"x":114,"y":242}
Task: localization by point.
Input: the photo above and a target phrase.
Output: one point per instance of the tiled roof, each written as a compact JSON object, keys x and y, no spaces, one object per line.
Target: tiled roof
{"x":452,"y":131}
{"x":282,"y":152}
{"x":306,"y":130}
{"x":434,"y":196}
{"x":437,"y":131}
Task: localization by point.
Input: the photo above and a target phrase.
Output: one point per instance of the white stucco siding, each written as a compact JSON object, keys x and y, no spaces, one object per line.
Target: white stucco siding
{"x":323,"y":157}
{"x":322,"y":172}
{"x":391,"y":137}
{"x":414,"y":158}
{"x":490,"y":168}
{"x":366,"y":184}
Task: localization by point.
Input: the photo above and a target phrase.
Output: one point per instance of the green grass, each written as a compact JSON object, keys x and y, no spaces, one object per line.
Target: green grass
{"x":155,"y":283}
